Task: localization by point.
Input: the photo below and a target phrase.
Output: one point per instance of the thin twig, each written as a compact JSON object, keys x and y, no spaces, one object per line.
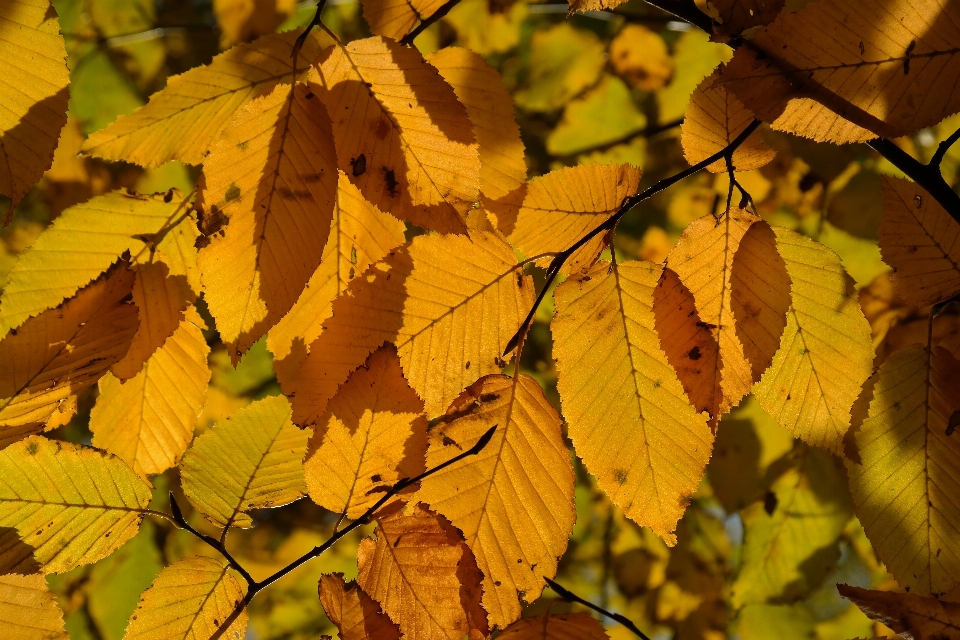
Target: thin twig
{"x":927,"y":176}
{"x":937,"y":158}
{"x":569,"y":596}
{"x":213,"y":542}
{"x":306,"y":32}
{"x":428,"y":21}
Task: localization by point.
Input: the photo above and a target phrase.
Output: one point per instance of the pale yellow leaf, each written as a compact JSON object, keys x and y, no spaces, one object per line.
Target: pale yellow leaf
{"x":372,"y":435}
{"x":402,"y":136}
{"x":241,"y":20}
{"x":183,"y":120}
{"x":909,"y":615}
{"x":148,"y":421}
{"x":921,"y":241}
{"x":640,"y":56}
{"x":273,"y":175}
{"x":513,"y":501}
{"x":29,"y":610}
{"x":905,"y":486}
{"x":355,"y":614}
{"x":190,"y":599}
{"x":251,"y":460}
{"x":571,"y":626}
{"x":628,"y":415}
{"x":73,"y":504}
{"x":448,"y":303}
{"x":33,"y":93}
{"x":396,"y":18}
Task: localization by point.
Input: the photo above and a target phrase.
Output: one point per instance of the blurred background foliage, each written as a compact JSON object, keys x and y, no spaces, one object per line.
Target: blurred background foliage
{"x":771,"y":530}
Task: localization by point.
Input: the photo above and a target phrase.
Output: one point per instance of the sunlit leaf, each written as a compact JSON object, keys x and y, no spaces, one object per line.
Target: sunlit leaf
{"x":355,"y":613}
{"x":572,"y":626}
{"x":28,"y":610}
{"x":396,"y":18}
{"x":909,"y":615}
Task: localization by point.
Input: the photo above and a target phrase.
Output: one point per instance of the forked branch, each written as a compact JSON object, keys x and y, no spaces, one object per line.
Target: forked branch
{"x":428,"y":21}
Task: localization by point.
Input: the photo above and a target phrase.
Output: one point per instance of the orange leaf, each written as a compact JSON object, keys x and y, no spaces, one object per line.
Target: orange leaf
{"x":355,"y":613}
{"x":572,"y":626}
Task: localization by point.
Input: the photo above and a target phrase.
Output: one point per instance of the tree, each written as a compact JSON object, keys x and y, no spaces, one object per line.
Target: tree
{"x":307,"y":295}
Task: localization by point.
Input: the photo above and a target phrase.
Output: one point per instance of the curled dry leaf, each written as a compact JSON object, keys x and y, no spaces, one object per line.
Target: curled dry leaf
{"x":355,"y":614}
{"x":909,"y":615}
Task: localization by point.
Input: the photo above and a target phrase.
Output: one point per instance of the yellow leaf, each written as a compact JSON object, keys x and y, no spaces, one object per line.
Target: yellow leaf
{"x":572,"y":626}
{"x":63,"y":351}
{"x":513,"y":501}
{"x":178,"y":250}
{"x":360,"y":234}
{"x":372,"y":435}
{"x":904,"y":486}
{"x":148,"y":421}
{"x":396,"y":18}
{"x":616,"y":386}
{"x":423,"y":576}
{"x":28,"y":610}
{"x":909,"y":615}
{"x":564,"y":205}
{"x":33,"y":94}
{"x":694,"y":58}
{"x":407,"y":141}
{"x":713,"y":120}
{"x":251,"y":460}
{"x":484,"y":29}
{"x":355,"y":613}
{"x":736,"y":16}
{"x":241,"y":20}
{"x":604,"y":117}
{"x":640,"y":56}
{"x":73,"y":504}
{"x":190,"y":599}
{"x":273,"y":175}
{"x":183,"y":120}
{"x":563,"y":62}
{"x":448,"y":303}
{"x":80,"y":244}
{"x":851,"y":71}
{"x":593,"y":5}
{"x":921,"y":241}
{"x":825,"y":354}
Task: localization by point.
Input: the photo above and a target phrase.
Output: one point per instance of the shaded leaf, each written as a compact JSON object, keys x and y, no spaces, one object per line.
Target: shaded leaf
{"x":602,"y":116}
{"x":736,"y":16}
{"x":355,"y":614}
{"x":28,"y":609}
{"x":907,"y":614}
{"x":396,"y":18}
{"x":241,"y":20}
{"x":571,"y":626}
{"x":563,"y":62}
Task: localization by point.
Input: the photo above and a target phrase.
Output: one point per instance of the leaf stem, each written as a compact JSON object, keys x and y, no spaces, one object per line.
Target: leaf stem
{"x":569,"y":596}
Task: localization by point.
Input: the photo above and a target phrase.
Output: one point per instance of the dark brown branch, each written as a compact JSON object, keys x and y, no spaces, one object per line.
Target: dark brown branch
{"x":315,"y":21}
{"x":213,"y":542}
{"x":927,"y":176}
{"x":569,"y":596}
{"x":937,"y":158}
{"x":428,"y":21}
{"x":686,"y":10}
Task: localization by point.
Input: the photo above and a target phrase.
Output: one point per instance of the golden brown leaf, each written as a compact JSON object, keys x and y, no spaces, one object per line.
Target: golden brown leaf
{"x":513,"y":501}
{"x":640,"y":56}
{"x":909,"y":615}
{"x":593,"y":5}
{"x":273,"y":176}
{"x":402,"y":137}
{"x":736,"y":16}
{"x":571,"y":626}
{"x":396,"y":18}
{"x":355,"y":613}
{"x":28,"y":610}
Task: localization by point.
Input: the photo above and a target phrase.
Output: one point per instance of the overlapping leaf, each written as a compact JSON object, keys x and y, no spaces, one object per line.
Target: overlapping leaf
{"x":396,"y":18}
{"x":449,"y":304}
{"x":355,"y":614}
{"x":28,"y":610}
{"x":571,"y":626}
{"x":372,"y":435}
{"x":905,"y":485}
{"x":33,"y":94}
{"x":909,"y":615}
{"x":273,"y":176}
{"x":513,"y":501}
{"x":190,"y":599}
{"x":148,"y":421}
{"x":402,"y":136}
{"x":629,"y":417}
{"x":826,"y":353}
{"x":736,"y":16}
{"x":73,"y":504}
{"x":249,"y":461}
{"x":183,"y":120}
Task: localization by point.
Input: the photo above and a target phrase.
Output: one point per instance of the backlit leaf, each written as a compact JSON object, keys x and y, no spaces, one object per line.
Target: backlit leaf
{"x":563,"y":62}
{"x":905,"y":486}
{"x":33,"y":94}
{"x":825,"y":354}
{"x":909,"y":615}
{"x":241,"y":20}
{"x":851,"y":71}
{"x":921,"y":241}
{"x":513,"y":501}
{"x":372,"y":435}
{"x":640,"y":56}
{"x":572,"y":626}
{"x":616,"y":385}
{"x":355,"y":613}
{"x":396,"y":18}
{"x":148,"y":420}
{"x":249,"y":461}
{"x":183,"y":120}
{"x":73,"y":504}
{"x":190,"y":599}
{"x":448,"y":303}
{"x":402,"y":137}
{"x":273,"y":176}
{"x":28,"y":610}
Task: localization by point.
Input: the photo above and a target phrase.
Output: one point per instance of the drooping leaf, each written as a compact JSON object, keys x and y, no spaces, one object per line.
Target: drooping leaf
{"x":360,"y":235}
{"x":190,"y":599}
{"x":714,"y":118}
{"x":148,"y":420}
{"x":423,"y":576}
{"x":571,"y":626}
{"x":80,"y":244}
{"x":513,"y":501}
{"x":640,"y":56}
{"x":372,"y":434}
{"x":448,"y":303}
{"x":355,"y":613}
{"x":273,"y":176}
{"x":73,"y":504}
{"x":563,"y":62}
{"x":396,"y":18}
{"x":851,"y":71}
{"x":28,"y":609}
{"x":911,"y":616}
{"x":183,"y":120}
{"x":904,"y":486}
{"x":249,"y":461}
{"x":920,"y":240}
{"x":736,"y":16}
{"x":63,"y":351}
{"x":402,"y":137}
{"x":825,"y":354}
{"x":33,"y":94}
{"x":616,"y":385}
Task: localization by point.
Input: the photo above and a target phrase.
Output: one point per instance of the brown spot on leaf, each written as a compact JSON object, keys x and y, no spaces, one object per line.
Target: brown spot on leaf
{"x":390,"y":178}
{"x":359,"y":165}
